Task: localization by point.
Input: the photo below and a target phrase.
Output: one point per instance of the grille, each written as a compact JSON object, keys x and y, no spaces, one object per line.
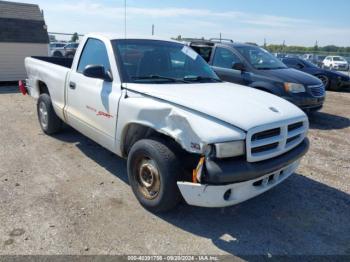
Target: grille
{"x":276,"y":139}
{"x":343,"y":66}
{"x":266,"y":134}
{"x":317,"y":91}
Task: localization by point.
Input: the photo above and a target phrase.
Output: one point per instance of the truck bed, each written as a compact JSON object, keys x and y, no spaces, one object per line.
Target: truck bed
{"x":52,"y":73}
{"x":62,"y":61}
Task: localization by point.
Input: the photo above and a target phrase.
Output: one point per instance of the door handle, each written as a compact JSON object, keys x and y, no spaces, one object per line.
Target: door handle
{"x":72,"y":85}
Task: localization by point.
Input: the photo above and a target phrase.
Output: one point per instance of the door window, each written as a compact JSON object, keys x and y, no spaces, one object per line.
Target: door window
{"x":94,"y":53}
{"x":225,"y":58}
{"x":295,"y":63}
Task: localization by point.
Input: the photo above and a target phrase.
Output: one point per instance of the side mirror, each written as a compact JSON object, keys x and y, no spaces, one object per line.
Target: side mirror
{"x":238,"y":66}
{"x":97,"y":71}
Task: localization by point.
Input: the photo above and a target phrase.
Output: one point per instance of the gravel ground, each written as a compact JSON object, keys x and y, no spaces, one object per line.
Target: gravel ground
{"x":67,"y":195}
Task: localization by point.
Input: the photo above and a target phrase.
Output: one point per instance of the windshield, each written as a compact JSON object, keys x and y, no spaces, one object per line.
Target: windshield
{"x":145,"y":61}
{"x":260,"y":58}
{"x":309,"y":64}
{"x":57,"y":45}
{"x":338,"y":58}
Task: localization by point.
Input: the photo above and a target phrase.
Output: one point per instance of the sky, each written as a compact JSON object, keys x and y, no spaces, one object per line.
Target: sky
{"x":297,"y":22}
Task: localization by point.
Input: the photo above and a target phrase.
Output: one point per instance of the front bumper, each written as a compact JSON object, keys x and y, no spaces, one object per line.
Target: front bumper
{"x":226,"y":171}
{"x":232,"y":194}
{"x":307,"y":103}
{"x":229,"y":182}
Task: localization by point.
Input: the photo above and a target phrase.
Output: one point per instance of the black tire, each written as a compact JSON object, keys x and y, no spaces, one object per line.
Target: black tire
{"x":325,"y":80}
{"x":158,"y":154}
{"x":50,"y":123}
{"x":57,"y":54}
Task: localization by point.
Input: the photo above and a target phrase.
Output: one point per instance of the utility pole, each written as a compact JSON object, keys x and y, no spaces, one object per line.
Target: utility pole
{"x":153,"y":29}
{"x":220,"y":37}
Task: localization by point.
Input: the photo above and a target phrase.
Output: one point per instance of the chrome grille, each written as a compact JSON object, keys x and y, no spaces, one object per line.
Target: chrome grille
{"x":269,"y":141}
{"x":317,"y":90}
{"x":342,"y":66}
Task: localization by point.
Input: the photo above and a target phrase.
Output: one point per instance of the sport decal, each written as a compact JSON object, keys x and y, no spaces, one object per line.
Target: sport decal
{"x":99,"y":113}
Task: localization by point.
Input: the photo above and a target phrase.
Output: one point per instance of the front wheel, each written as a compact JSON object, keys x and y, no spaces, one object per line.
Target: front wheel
{"x":325,"y":80}
{"x":153,"y":171}
{"x":57,"y":54}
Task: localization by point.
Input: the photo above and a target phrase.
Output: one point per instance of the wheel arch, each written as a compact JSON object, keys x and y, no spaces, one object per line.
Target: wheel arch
{"x":42,"y":88}
{"x":135,"y":131}
{"x":263,"y":87}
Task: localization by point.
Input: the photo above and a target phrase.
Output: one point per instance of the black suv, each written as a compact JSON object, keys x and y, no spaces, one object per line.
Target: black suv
{"x":250,"y":65}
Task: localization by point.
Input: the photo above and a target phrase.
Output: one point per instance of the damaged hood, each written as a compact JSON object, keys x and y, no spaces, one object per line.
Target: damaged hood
{"x":241,"y":106}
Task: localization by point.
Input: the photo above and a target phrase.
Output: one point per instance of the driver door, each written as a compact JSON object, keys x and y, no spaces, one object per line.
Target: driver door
{"x":92,"y":103}
{"x":222,"y":63}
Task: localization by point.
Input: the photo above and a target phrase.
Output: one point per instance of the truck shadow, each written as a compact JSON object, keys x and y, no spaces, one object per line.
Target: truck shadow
{"x":300,"y":216}
{"x":109,"y":161}
{"x":325,"y":121}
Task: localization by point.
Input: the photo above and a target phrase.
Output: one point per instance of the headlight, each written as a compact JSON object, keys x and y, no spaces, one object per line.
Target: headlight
{"x":230,"y":149}
{"x":294,"y":88}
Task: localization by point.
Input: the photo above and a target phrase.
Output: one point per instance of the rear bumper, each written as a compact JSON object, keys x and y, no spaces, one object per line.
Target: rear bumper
{"x":232,"y":194}
{"x":219,"y":172}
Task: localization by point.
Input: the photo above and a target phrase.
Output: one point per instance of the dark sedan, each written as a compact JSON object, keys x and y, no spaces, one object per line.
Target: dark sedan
{"x":332,"y":80}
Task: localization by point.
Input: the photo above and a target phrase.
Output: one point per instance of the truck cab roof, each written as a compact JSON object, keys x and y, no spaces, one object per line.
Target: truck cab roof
{"x":111,"y":36}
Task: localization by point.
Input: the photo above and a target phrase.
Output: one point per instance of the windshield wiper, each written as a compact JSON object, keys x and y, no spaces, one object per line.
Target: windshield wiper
{"x":201,"y":78}
{"x":156,"y":77}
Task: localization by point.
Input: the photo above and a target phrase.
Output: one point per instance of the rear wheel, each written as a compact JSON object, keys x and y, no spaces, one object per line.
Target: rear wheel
{"x":153,"y":171}
{"x":49,"y":121}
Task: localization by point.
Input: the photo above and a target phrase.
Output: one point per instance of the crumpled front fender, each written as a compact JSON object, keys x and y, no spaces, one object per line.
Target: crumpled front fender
{"x":192,"y":130}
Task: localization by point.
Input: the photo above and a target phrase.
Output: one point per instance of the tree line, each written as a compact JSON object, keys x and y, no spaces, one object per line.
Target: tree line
{"x":303,"y":49}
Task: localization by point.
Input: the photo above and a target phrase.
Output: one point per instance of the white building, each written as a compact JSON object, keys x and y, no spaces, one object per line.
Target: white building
{"x":23,"y":33}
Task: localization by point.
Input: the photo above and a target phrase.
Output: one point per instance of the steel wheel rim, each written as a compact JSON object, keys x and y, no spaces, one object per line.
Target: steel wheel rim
{"x":43,"y":114}
{"x":324,"y":80}
{"x":148,"y":178}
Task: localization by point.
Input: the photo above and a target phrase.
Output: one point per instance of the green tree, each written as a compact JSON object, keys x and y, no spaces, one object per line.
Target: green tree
{"x":75,"y":37}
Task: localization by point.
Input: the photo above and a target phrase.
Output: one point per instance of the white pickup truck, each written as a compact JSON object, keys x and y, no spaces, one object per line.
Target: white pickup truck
{"x":185,"y":133}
